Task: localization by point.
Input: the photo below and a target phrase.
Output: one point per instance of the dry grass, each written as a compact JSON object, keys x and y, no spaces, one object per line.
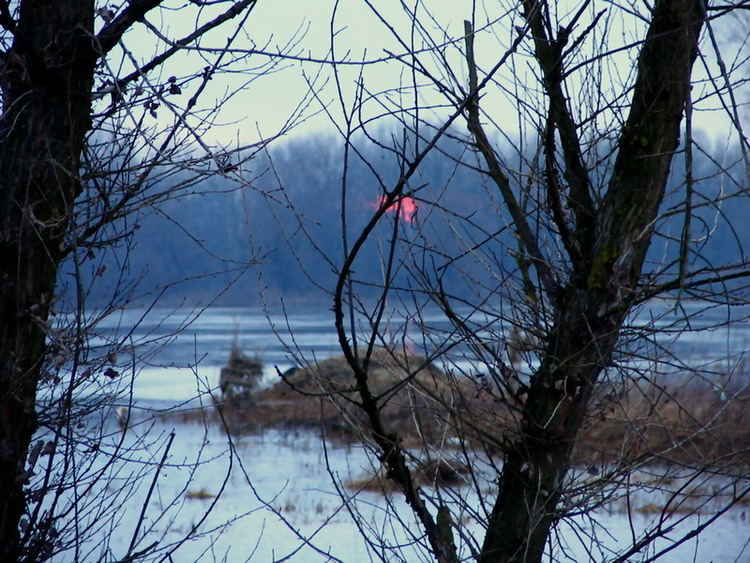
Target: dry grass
{"x":324,"y":394}
{"x":434,"y":473}
{"x":655,"y":509}
{"x":689,"y":423}
{"x":201,"y":494}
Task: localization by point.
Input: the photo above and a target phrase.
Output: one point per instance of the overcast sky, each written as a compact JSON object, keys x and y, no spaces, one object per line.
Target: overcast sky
{"x":304,"y":28}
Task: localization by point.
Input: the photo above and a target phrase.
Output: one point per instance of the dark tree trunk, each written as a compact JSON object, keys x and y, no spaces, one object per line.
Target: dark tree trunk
{"x":47,"y":80}
{"x":591,"y":309}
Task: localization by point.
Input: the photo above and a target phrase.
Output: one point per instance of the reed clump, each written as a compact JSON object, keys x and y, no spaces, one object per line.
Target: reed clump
{"x":674,"y":422}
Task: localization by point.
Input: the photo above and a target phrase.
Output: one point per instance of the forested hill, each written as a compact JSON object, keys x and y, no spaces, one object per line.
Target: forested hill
{"x":282,"y":237}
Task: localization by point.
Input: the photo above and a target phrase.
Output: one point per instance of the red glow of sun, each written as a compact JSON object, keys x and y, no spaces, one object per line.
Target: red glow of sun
{"x":406,"y":207}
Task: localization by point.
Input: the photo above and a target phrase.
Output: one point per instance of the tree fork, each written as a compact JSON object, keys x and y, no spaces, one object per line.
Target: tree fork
{"x":589,"y":318}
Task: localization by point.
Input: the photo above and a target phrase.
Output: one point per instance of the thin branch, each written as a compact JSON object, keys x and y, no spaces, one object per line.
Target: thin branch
{"x":134,"y":539}
{"x":482,"y":142}
{"x":689,"y":181}
{"x":554,"y":189}
{"x":111,"y":34}
{"x":6,"y":19}
{"x":549,"y":55}
{"x":179,"y":45}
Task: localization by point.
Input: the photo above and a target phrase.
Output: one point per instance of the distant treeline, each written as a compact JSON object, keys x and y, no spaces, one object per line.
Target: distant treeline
{"x":282,"y":236}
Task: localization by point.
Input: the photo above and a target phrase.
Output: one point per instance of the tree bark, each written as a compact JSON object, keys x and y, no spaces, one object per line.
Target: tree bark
{"x":47,"y":82}
{"x":592,"y":308}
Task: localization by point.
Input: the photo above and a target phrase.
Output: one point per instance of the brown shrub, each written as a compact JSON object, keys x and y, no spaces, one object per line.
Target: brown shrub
{"x":688,"y":423}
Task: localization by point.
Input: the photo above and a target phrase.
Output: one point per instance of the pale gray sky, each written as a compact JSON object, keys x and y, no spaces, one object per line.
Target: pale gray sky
{"x":304,"y":28}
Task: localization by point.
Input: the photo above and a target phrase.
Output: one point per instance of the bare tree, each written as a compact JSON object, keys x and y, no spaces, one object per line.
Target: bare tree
{"x":595,"y":223}
{"x":93,"y":132}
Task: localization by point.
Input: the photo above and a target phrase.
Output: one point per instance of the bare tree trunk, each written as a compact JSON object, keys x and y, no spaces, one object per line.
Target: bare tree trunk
{"x":593,"y":305}
{"x":47,"y":76}
{"x":47,"y":82}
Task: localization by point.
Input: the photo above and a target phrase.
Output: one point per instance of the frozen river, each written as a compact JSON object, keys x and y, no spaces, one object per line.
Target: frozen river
{"x":282,"y":494}
{"x":185,"y":350}
{"x":280,"y":504}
